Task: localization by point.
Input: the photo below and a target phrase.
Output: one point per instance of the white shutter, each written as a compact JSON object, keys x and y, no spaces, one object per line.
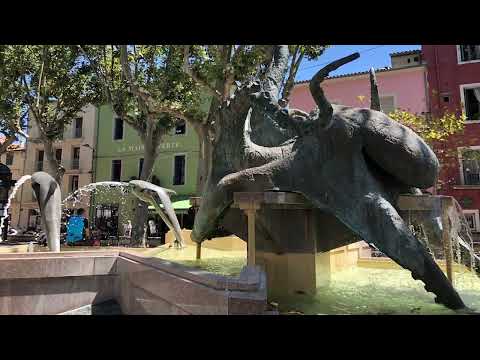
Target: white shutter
{"x":388,"y":104}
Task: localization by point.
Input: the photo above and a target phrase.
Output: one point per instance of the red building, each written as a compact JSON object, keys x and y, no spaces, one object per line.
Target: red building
{"x":453,"y":83}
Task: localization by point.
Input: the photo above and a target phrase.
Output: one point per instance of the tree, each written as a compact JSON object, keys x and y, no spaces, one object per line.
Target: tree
{"x":13,"y":112}
{"x":220,"y":69}
{"x":443,"y":134}
{"x":163,"y":83}
{"x":56,"y":84}
{"x":147,"y":88}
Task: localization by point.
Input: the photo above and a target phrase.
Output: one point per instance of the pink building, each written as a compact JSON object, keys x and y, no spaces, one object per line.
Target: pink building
{"x":401,"y":87}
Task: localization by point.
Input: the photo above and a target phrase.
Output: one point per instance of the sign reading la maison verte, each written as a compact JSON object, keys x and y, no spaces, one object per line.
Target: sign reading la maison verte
{"x":139,"y":148}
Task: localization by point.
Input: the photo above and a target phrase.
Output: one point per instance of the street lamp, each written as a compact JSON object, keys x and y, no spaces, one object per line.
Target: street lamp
{"x":92,"y":195}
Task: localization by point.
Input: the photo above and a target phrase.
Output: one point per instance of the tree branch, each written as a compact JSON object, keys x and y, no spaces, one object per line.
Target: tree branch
{"x":9,"y":140}
{"x":98,"y":71}
{"x":276,"y":70}
{"x":290,"y":82}
{"x":196,"y":77}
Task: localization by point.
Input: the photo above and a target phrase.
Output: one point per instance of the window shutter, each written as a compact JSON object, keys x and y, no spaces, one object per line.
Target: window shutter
{"x":387,"y":103}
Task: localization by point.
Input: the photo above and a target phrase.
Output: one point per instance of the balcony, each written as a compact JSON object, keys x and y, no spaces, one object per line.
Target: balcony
{"x":77,"y":133}
{"x":71,"y":164}
{"x":471,"y":178}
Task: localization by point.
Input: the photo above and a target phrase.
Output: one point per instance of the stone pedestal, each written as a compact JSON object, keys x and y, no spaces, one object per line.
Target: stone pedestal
{"x":298,"y":268}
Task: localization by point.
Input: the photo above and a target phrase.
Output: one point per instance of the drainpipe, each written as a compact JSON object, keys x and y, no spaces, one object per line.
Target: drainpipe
{"x":437,"y":75}
{"x":94,"y":166}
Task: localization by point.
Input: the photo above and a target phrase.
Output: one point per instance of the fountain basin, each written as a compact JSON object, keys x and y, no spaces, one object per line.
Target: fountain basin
{"x":55,"y":283}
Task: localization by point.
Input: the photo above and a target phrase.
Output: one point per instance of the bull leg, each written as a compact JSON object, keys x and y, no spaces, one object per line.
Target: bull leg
{"x":378,"y":222}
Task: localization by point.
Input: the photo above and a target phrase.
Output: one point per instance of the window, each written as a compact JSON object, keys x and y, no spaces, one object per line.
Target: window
{"x":179,"y":170}
{"x":116,"y":170}
{"x":471,"y":167}
{"x":471,"y":102}
{"x":140,"y":167}
{"x":117,"y":129}
{"x":415,"y":59}
{"x":469,"y":52}
{"x":446,"y":99}
{"x":40,"y":155}
{"x":58,"y":155}
{"x":73,"y":183}
{"x":387,"y":103}
{"x":9,"y":159}
{"x":180,"y":128}
{"x":77,"y":133}
{"x":76,"y":158}
{"x":408,"y":60}
{"x":472,"y":219}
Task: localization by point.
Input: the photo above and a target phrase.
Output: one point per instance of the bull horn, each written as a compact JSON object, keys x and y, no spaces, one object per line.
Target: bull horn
{"x":374,"y":95}
{"x":324,"y":106}
{"x":258,"y":155}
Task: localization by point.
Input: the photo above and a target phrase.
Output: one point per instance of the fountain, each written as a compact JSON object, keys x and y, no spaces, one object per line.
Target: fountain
{"x":17,"y":186}
{"x":49,"y":198}
{"x":82,"y":191}
{"x":48,"y":195}
{"x":159,"y":198}
{"x":294,"y":186}
{"x":343,"y":168}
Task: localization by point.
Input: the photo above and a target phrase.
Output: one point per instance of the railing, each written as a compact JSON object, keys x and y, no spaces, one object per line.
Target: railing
{"x":471,"y":178}
{"x":71,"y":164}
{"x":77,"y":133}
{"x":75,"y":164}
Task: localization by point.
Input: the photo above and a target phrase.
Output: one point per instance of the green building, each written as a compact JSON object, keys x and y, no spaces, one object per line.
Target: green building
{"x":119,"y":157}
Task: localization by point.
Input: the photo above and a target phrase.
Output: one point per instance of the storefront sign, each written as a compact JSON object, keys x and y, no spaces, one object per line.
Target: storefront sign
{"x":140,"y":148}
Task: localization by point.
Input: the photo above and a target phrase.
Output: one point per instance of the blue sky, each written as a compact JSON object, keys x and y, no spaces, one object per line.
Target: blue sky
{"x":376,"y":56}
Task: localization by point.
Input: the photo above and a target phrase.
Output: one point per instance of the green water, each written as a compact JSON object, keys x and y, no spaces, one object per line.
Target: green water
{"x":221,"y":262}
{"x":355,"y":291}
{"x":366,"y":291}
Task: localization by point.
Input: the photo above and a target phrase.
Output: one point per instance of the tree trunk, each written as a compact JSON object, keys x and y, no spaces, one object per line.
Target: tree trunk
{"x":56,"y":170}
{"x":141,"y":209}
{"x":204,"y":158}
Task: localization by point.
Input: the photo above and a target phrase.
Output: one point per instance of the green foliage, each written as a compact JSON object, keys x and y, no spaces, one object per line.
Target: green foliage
{"x":311,"y":52}
{"x":154,"y":71}
{"x":443,"y":134}
{"x":431,"y":129}
{"x":55,"y":82}
{"x":12,"y":105}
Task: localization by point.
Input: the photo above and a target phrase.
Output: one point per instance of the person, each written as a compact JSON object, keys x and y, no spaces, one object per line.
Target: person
{"x":152,"y":227}
{"x":77,"y":228}
{"x":128,"y":229}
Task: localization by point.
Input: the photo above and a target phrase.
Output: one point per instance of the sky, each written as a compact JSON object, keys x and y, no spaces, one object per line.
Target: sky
{"x":376,"y":56}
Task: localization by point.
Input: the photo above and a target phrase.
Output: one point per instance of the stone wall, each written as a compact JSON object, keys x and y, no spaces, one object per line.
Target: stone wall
{"x":49,"y":283}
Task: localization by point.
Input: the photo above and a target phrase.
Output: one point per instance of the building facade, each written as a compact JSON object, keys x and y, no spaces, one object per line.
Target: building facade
{"x":14,"y":158}
{"x":427,"y":81}
{"x":119,"y":157}
{"x":75,"y":154}
{"x":401,"y":87}
{"x":453,"y":73}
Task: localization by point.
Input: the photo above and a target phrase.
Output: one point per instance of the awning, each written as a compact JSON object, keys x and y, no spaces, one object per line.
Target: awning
{"x":180,"y":206}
